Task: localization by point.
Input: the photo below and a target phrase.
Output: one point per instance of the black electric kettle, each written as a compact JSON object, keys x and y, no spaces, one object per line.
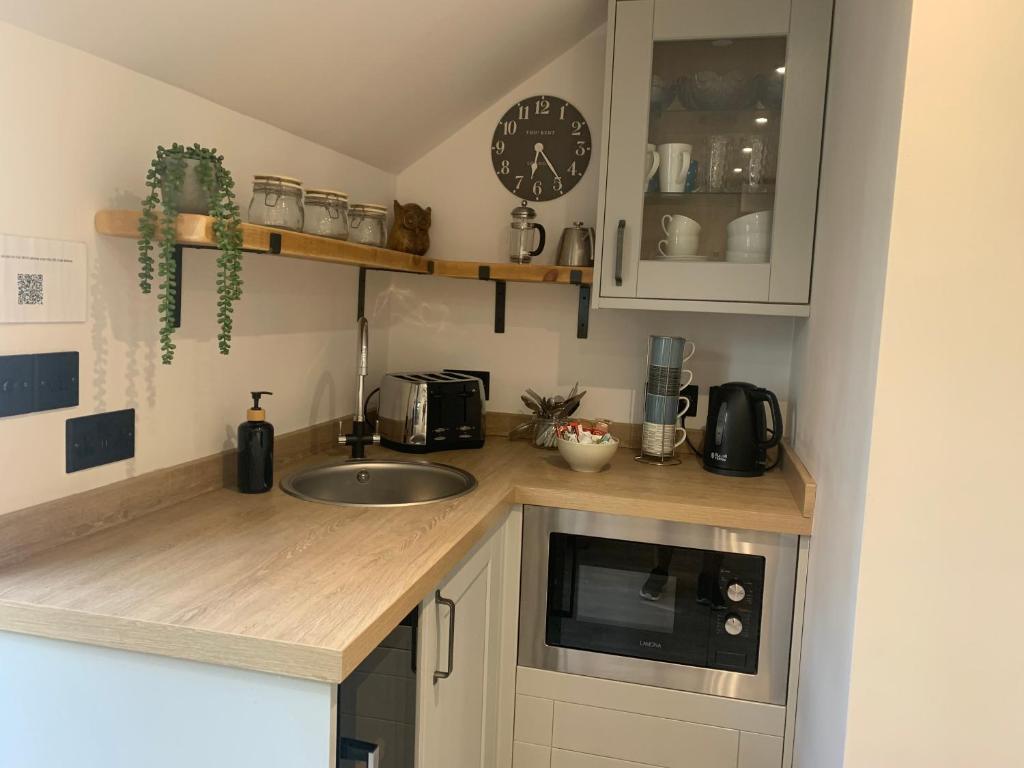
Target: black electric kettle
{"x":737,"y":436}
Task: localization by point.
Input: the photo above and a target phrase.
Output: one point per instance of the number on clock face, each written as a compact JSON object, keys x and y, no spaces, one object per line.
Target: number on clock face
{"x":541,"y":148}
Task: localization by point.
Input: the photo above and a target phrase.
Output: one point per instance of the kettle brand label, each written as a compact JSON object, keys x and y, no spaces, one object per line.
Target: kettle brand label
{"x":719,"y":456}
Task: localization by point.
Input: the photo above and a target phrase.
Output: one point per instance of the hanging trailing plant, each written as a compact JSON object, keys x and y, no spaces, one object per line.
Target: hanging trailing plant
{"x":160,"y":208}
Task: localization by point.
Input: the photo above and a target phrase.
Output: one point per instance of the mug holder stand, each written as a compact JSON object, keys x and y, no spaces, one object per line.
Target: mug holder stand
{"x":658,"y":461}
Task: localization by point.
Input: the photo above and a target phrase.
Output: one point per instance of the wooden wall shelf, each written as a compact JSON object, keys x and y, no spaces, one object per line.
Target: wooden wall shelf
{"x":516,"y":273}
{"x":196,"y":231}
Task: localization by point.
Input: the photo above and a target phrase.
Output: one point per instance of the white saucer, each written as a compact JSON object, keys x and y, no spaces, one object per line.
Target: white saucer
{"x":691,"y":257}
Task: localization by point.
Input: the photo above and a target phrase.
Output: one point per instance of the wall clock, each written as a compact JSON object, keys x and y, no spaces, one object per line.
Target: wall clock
{"x":541,"y":148}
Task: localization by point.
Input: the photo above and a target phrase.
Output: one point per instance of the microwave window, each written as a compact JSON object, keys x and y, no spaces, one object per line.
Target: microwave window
{"x":631,"y":599}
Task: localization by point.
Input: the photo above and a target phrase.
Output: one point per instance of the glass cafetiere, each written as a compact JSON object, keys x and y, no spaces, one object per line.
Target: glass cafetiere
{"x":520,"y":235}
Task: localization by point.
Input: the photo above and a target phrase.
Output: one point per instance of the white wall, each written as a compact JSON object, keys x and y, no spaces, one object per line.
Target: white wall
{"x":938,"y":677}
{"x":76,"y":135}
{"x":449,"y":323}
{"x":836,"y":351}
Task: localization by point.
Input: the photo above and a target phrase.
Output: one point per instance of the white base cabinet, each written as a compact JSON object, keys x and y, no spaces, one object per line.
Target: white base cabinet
{"x":70,"y":704}
{"x":463,"y":691}
{"x":567,"y":721}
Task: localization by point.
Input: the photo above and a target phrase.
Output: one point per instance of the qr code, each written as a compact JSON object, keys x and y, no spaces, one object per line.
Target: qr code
{"x":30,"y":288}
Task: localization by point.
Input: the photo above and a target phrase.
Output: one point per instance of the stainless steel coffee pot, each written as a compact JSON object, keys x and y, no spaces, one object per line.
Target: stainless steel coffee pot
{"x":576,"y":248}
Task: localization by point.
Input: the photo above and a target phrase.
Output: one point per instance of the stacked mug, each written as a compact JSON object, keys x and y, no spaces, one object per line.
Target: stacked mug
{"x":663,"y":402}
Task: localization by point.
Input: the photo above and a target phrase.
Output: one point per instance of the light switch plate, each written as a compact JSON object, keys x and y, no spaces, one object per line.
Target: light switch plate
{"x":41,"y":382}
{"x":17,"y":384}
{"x":99,"y":439}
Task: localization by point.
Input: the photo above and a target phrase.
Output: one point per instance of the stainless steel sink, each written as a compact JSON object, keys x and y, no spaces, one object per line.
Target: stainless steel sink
{"x":368,"y":483}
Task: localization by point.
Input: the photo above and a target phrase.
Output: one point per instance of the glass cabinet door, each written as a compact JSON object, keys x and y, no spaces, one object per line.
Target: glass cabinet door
{"x":700,"y":156}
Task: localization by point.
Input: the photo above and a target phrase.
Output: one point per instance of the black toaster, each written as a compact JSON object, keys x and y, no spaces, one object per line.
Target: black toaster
{"x":431,"y":411}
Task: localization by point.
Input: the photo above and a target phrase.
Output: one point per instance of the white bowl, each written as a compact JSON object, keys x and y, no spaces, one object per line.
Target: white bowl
{"x":751,"y":223}
{"x":754,"y":241}
{"x":746,"y":257}
{"x":587,"y":457}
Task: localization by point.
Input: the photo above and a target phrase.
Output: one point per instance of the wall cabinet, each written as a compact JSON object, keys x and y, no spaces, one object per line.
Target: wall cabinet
{"x":714,"y":112}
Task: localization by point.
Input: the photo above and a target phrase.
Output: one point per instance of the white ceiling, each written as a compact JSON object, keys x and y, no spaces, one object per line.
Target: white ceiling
{"x":381,"y":80}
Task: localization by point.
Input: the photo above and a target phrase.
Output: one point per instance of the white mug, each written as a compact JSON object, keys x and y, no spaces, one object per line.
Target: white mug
{"x":678,"y":245}
{"x":678,"y":224}
{"x":693,"y":351}
{"x":677,"y":249}
{"x":675,"y":164}
{"x":660,"y":439}
{"x":652,"y":160}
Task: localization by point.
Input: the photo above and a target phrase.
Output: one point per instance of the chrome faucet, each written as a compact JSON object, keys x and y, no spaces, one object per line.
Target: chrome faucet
{"x":360,"y":436}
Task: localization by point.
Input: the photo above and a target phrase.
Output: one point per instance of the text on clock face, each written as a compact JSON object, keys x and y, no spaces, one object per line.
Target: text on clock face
{"x":541,"y":148}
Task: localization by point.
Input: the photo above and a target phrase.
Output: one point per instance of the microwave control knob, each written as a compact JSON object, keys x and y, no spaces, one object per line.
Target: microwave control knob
{"x":733,"y":625}
{"x":736,"y":592}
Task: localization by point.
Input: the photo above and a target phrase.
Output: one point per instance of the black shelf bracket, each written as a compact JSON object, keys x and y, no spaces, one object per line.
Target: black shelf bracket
{"x":177,"y":285}
{"x":499,"y":306}
{"x":500,"y":294}
{"x":275,"y":248}
{"x":583,"y":319}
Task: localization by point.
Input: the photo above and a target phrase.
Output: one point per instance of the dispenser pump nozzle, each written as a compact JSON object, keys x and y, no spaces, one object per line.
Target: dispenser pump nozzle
{"x":256,"y":413}
{"x":256,"y":398}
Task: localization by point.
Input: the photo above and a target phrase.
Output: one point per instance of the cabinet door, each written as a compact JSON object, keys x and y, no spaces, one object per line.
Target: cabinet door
{"x":459,"y":665}
{"x":714,"y":124}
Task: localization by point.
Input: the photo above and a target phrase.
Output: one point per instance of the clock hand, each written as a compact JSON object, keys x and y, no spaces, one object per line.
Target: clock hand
{"x":534,"y":165}
{"x":550,"y":165}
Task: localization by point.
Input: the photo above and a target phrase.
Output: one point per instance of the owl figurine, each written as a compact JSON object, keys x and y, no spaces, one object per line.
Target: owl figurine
{"x":410,"y":229}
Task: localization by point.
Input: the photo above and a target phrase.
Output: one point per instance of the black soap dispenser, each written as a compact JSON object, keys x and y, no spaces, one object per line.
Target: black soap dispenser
{"x":256,"y":449}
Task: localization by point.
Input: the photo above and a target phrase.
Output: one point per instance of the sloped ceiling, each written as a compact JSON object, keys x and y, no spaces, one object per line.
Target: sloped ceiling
{"x":381,"y":80}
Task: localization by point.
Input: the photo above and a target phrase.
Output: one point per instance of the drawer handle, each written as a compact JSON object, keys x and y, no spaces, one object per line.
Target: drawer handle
{"x":620,"y":236}
{"x":438,"y":675}
{"x":359,"y":751}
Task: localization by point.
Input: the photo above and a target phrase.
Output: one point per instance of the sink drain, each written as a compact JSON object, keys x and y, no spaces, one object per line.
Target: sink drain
{"x":363,"y":476}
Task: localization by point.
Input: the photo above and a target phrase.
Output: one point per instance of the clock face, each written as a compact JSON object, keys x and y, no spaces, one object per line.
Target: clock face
{"x":541,"y":148}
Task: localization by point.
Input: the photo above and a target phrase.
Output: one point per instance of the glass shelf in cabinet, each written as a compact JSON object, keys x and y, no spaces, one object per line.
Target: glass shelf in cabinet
{"x":674,"y":197}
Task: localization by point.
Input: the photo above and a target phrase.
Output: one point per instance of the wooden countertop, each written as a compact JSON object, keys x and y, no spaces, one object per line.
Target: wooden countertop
{"x":280,"y":585}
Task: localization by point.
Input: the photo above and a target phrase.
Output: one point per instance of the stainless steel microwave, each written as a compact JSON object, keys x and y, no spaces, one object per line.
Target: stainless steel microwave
{"x":668,"y":604}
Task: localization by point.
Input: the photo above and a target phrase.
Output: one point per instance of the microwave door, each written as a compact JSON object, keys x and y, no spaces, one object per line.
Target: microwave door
{"x":627,"y":598}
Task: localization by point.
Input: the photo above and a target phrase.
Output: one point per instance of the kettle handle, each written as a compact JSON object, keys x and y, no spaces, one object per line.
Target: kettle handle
{"x":767,"y":396}
{"x":540,"y":244}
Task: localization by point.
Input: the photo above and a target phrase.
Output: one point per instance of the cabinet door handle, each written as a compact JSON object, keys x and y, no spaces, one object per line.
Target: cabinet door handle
{"x":359,"y":751}
{"x":620,"y":236}
{"x":438,"y":675}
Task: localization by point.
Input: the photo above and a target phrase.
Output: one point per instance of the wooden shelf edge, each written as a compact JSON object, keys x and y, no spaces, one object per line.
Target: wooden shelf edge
{"x":197,"y":230}
{"x":803,"y":486}
{"x":194,"y":229}
{"x":514,"y":273}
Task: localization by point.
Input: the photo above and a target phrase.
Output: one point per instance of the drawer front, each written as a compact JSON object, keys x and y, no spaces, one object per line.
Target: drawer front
{"x":560,"y":758}
{"x":760,"y":751}
{"x":530,"y":755}
{"x":533,"y":720}
{"x":655,"y":741}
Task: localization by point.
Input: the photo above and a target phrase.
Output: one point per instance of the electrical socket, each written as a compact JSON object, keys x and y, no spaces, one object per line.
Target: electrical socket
{"x":99,"y":439}
{"x":690,"y":391}
{"x":42,"y":382}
